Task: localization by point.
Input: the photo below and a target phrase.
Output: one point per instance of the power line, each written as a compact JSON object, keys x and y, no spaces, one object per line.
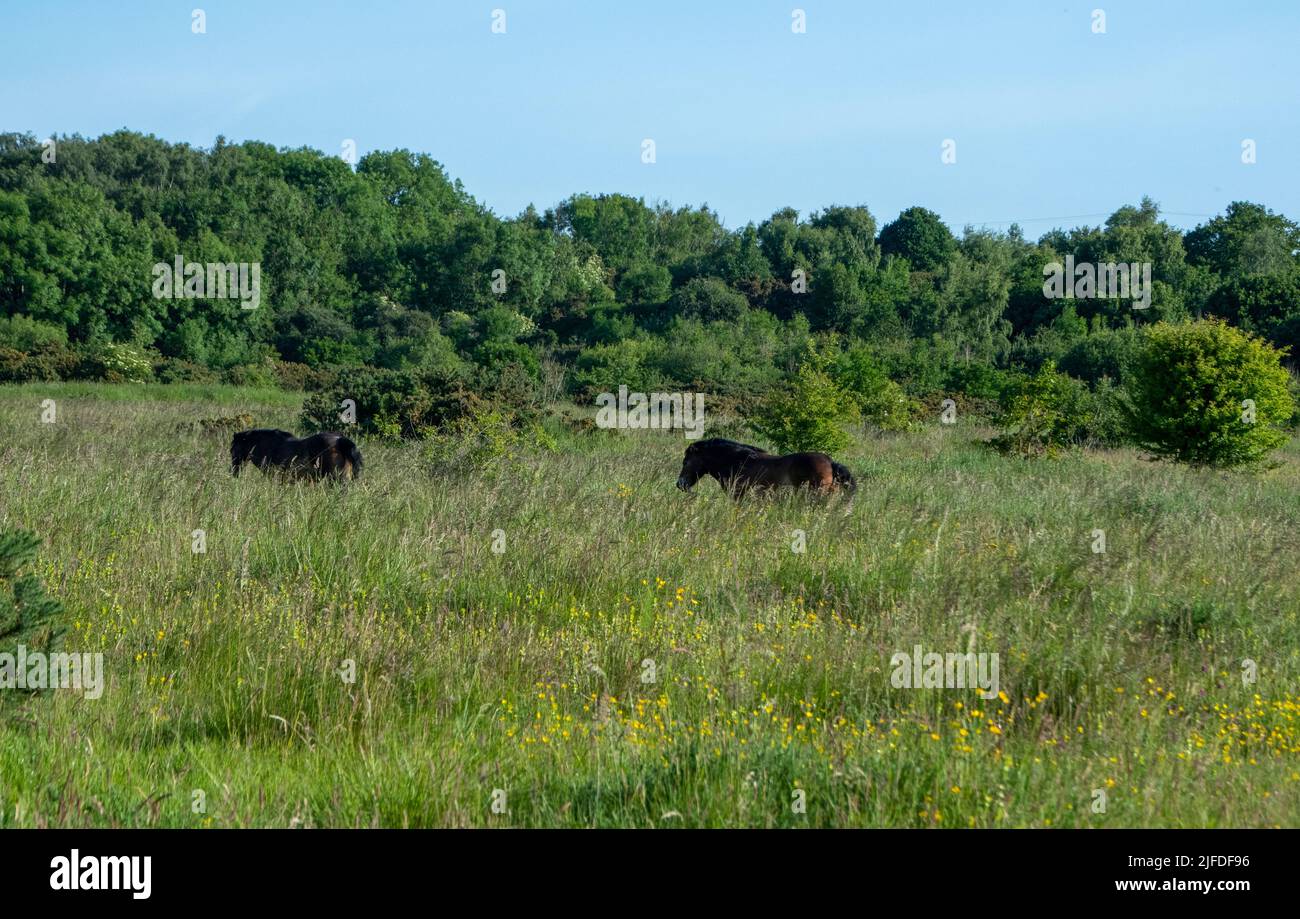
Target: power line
{"x":1075,"y":217}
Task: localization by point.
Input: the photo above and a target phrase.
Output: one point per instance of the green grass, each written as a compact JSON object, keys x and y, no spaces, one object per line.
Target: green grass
{"x":523,"y":671}
{"x":206,"y":395}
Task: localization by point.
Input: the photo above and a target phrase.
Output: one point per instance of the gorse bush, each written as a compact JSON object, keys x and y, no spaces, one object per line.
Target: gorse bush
{"x":811,"y":415}
{"x":881,"y":402}
{"x":1208,"y":394}
{"x":1043,"y":414}
{"x":47,"y":361}
{"x":392,"y":404}
{"x":481,"y":439}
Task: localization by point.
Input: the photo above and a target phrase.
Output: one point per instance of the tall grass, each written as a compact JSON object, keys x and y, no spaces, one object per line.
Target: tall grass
{"x":637,"y":656}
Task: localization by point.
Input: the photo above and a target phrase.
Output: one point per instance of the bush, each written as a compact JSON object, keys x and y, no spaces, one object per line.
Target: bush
{"x":709,"y":300}
{"x":258,"y":375}
{"x":513,"y":387}
{"x":122,"y":363}
{"x":978,"y":389}
{"x":1043,"y":414}
{"x":175,"y":370}
{"x":979,"y":381}
{"x":23,"y":334}
{"x":604,"y":368}
{"x":811,"y":415}
{"x":1103,"y":353}
{"x":391,"y":403}
{"x":740,"y":359}
{"x":920,"y":365}
{"x":301,"y":378}
{"x":1208,"y":394}
{"x":481,"y":439}
{"x":1105,"y":425}
{"x":46,"y":362}
{"x":226,"y":425}
{"x":881,"y":402}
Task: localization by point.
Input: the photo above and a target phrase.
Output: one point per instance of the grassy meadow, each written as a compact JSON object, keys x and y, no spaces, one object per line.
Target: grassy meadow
{"x":637,"y":656}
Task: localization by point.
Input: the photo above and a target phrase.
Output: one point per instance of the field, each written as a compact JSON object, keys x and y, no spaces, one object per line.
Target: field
{"x":636,"y":656}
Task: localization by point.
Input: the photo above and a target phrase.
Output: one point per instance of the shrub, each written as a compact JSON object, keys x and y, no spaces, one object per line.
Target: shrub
{"x":226,"y":424}
{"x":301,"y":378}
{"x":175,"y":370}
{"x":1103,"y":353}
{"x":741,"y":359}
{"x":391,"y":403}
{"x":919,"y":364}
{"x":811,"y":415}
{"x":513,"y":387}
{"x":881,"y":402}
{"x":44,"y":363}
{"x":1105,"y":423}
{"x":123,"y":363}
{"x":1208,"y":394}
{"x":259,"y":375}
{"x":709,"y":300}
{"x":978,"y":389}
{"x":1043,"y":414}
{"x":483,"y":438}
{"x":604,"y":368}
{"x":23,"y":334}
{"x":979,"y":381}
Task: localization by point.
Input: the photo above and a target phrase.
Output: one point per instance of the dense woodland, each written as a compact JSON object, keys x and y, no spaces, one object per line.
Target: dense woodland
{"x":389,"y":265}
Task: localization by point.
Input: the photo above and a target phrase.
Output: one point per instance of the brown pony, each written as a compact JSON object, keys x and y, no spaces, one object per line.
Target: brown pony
{"x":740,"y":467}
{"x":319,"y":456}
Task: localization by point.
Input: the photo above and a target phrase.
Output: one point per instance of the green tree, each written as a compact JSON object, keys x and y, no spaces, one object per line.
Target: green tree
{"x":921,"y":237}
{"x":709,"y":300}
{"x":1248,"y":240}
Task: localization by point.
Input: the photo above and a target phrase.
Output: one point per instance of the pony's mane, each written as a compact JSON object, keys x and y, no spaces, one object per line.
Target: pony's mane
{"x":733,"y":445}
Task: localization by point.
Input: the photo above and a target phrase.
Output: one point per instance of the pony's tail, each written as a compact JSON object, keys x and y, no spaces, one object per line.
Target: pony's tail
{"x":841,"y":476}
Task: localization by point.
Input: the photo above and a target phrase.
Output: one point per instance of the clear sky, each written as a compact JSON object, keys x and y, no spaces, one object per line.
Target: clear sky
{"x":1050,"y":120}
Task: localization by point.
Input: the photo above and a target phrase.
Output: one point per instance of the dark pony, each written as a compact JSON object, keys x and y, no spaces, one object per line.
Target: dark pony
{"x":319,"y":456}
{"x":739,"y":467}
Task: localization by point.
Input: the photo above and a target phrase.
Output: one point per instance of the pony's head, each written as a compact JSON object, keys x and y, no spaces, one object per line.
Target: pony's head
{"x":692,"y":467}
{"x":245,"y":445}
{"x":711,"y":457}
{"x":240,"y":446}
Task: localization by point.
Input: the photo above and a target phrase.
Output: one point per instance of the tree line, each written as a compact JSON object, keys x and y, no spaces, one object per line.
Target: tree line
{"x":392,"y":265}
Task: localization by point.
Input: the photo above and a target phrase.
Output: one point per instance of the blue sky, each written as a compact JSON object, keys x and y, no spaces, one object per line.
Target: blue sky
{"x":1054,"y":125}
